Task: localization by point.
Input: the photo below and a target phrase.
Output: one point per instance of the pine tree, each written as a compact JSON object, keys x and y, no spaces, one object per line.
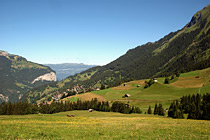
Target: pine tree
{"x":166,"y":80}
{"x":192,"y":113}
{"x":177,"y":74}
{"x":161,"y":110}
{"x":102,"y":86}
{"x":149,"y":111}
{"x":156,"y":109}
{"x":63,"y":96}
{"x":146,"y":86}
{"x":171,"y":110}
{"x":138,"y":110}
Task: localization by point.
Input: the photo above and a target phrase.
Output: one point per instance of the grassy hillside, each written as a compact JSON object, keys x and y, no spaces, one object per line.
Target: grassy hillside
{"x":100,"y":125}
{"x":186,"y":84}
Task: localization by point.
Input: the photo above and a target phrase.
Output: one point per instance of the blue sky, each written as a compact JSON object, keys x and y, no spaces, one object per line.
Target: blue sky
{"x":88,"y":31}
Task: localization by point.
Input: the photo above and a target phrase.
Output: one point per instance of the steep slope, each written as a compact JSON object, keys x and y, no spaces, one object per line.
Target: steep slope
{"x":185,"y":50}
{"x":66,"y":69}
{"x":181,"y":51}
{"x":17,"y":75}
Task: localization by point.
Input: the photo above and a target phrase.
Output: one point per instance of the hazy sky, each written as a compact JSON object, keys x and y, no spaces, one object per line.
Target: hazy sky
{"x":88,"y":31}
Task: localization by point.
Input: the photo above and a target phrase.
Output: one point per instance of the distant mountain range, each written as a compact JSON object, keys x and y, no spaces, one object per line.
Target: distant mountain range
{"x":67,"y":69}
{"x":17,"y":75}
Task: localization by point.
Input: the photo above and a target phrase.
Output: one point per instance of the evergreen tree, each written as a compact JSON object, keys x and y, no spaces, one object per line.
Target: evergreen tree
{"x":192,"y":113}
{"x":151,"y":82}
{"x":166,"y":80}
{"x":175,"y":110}
{"x":138,"y":110}
{"x":156,"y":109}
{"x":63,"y":96}
{"x":177,"y":74}
{"x":149,"y":111}
{"x":102,"y":86}
{"x":171,"y":110}
{"x":172,"y":77}
{"x":146,"y":86}
{"x":161,"y":110}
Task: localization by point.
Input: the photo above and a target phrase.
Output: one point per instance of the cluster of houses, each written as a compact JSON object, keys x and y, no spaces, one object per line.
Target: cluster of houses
{"x":56,"y":96}
{"x":4,"y":98}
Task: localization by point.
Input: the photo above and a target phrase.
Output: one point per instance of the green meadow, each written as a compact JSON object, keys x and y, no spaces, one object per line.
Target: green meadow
{"x":186,"y":84}
{"x":100,"y":125}
{"x":109,"y":125}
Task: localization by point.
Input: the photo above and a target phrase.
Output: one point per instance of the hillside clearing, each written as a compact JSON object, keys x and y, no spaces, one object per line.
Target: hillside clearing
{"x":87,"y":97}
{"x":129,"y":85}
{"x":205,"y":74}
{"x":188,"y":82}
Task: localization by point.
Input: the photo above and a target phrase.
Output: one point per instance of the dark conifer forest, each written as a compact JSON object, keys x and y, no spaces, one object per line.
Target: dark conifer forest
{"x":23,"y":108}
{"x":196,"y":106}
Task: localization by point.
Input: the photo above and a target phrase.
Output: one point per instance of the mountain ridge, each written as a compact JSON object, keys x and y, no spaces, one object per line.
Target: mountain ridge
{"x":17,"y":76}
{"x":185,"y":50}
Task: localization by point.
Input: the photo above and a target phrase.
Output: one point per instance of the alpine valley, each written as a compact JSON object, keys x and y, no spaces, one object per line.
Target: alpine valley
{"x":66,"y":69}
{"x":185,"y":50}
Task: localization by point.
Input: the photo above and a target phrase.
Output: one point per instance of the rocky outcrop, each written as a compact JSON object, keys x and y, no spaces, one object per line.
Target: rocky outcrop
{"x":194,"y":20}
{"x":46,"y":77}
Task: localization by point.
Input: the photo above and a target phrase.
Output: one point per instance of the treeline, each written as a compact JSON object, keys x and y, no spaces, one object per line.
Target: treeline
{"x":158,"y":110}
{"x":196,"y":106}
{"x":23,"y":108}
{"x":103,"y":106}
{"x":175,"y":110}
{"x":124,"y":108}
{"x":19,"y":108}
{"x":149,"y":83}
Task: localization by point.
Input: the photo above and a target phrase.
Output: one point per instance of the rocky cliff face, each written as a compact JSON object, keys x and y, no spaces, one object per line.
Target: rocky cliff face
{"x":46,"y":77}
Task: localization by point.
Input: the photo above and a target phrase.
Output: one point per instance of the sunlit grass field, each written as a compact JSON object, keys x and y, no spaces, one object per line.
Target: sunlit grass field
{"x":109,"y":125}
{"x":101,"y":125}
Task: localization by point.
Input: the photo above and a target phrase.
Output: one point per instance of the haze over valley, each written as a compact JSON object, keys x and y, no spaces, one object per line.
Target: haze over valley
{"x":68,"y":69}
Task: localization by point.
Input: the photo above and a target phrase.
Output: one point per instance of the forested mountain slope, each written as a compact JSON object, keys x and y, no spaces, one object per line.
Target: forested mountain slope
{"x":185,"y":50}
{"x":17,"y":75}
